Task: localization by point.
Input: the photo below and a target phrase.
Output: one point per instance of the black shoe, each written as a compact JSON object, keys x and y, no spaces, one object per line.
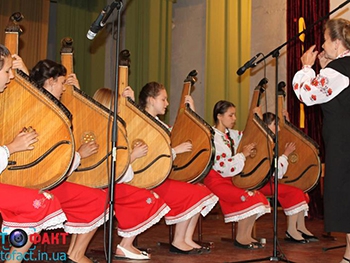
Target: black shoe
{"x":258,"y":244}
{"x":205,"y":250}
{"x":292,"y":239}
{"x":252,"y":245}
{"x":193,"y":251}
{"x":308,"y":237}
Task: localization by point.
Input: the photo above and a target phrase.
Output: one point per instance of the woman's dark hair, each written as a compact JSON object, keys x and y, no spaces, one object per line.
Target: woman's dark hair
{"x":269,"y":117}
{"x":339,"y":28}
{"x":4,"y":53}
{"x":46,"y":69}
{"x":220,"y":108}
{"x":152,"y":90}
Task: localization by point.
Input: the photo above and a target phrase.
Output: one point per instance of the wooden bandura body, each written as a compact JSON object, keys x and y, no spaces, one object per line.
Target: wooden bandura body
{"x":191,"y":166}
{"x":257,"y":166}
{"x":23,"y":104}
{"x":93,"y":121}
{"x":304,"y":167}
{"x":152,"y":169}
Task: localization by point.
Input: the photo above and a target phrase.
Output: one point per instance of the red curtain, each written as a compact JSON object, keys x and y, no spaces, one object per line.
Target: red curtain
{"x":311,"y":11}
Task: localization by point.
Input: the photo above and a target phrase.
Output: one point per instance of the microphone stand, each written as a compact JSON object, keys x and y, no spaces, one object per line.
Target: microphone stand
{"x":119,"y":6}
{"x":275,"y":53}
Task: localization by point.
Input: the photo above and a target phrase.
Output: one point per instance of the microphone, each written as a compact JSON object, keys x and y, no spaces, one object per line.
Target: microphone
{"x":96,"y":25}
{"x":116,"y":4}
{"x":247,"y":65}
{"x":16,"y":17}
{"x":101,"y":20}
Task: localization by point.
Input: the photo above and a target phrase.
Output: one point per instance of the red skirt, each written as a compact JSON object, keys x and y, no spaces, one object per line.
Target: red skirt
{"x":236,"y":203}
{"x":27,"y":209}
{"x":292,"y":199}
{"x":85,"y":207}
{"x":185,"y":200}
{"x":137,"y":209}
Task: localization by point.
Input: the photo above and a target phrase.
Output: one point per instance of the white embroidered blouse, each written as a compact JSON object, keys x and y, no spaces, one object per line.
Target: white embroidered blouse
{"x":312,"y":89}
{"x":226,"y":164}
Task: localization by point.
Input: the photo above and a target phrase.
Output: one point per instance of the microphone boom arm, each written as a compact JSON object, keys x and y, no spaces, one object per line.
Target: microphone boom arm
{"x":115,"y":4}
{"x":275,"y":52}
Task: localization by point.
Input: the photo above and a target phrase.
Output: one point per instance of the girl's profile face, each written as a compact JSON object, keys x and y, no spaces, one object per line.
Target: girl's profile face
{"x":159,"y":103}
{"x":272,"y":126}
{"x":228,"y":119}
{"x":56,"y":86}
{"x":6,"y":73}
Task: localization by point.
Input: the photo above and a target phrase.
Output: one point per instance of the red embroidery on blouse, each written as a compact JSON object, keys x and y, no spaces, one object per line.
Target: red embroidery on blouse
{"x":221,"y":164}
{"x":296,"y":86}
{"x":321,"y":84}
{"x":313,"y":97}
{"x":307,"y":87}
{"x":217,"y":157}
{"x":232,"y":169}
{"x":314,"y":82}
{"x":223,"y":155}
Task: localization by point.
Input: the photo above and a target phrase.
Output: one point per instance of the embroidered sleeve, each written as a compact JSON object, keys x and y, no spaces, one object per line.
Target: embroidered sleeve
{"x":128,"y":176}
{"x":226,"y":164}
{"x":3,"y":159}
{"x":312,"y":89}
{"x":282,"y":166}
{"x":173,"y":153}
{"x":75,"y":164}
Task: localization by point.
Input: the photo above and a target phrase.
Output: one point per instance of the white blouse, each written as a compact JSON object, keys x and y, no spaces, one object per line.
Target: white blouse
{"x":312,"y":89}
{"x":128,"y":176}
{"x":282,"y":166}
{"x":226,"y":164}
{"x":173,"y":153}
{"x":75,"y":164}
{"x":3,"y":159}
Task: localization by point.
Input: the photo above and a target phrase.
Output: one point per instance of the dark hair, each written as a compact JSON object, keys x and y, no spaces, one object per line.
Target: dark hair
{"x":269,"y":117}
{"x":220,"y":108}
{"x":4,"y":53}
{"x":339,"y":28}
{"x":152,"y":90}
{"x":46,"y":69}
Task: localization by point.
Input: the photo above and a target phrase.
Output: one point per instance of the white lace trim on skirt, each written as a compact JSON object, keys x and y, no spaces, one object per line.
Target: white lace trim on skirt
{"x":82,"y":228}
{"x":303,"y":206}
{"x":203,"y":206}
{"x":52,"y":221}
{"x":151,"y":221}
{"x":259,"y":210}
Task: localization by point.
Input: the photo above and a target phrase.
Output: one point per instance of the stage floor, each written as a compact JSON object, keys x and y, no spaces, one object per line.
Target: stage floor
{"x":213,"y":229}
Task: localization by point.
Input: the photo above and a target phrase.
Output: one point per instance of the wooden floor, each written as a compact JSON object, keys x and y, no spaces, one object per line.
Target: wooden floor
{"x":214,"y":229}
